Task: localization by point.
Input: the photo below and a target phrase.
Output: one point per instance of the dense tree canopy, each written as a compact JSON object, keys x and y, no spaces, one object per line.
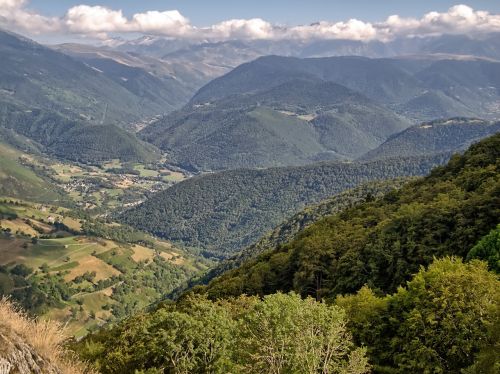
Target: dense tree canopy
{"x":382,"y":242}
{"x":279,"y":334}
{"x":227,"y":211}
{"x":436,"y":324}
{"x":488,"y":249}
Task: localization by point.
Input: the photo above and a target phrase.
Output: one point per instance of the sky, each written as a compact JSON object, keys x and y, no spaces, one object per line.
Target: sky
{"x":103,"y":20}
{"x":291,"y":12}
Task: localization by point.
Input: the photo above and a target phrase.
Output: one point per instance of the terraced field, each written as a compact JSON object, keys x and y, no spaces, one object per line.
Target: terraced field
{"x":98,"y":280}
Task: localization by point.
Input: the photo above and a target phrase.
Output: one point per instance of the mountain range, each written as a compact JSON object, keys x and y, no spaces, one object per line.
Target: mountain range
{"x":297,"y":122}
{"x":453,"y":134}
{"x":201,"y":206}
{"x":235,"y":52}
{"x":279,"y":111}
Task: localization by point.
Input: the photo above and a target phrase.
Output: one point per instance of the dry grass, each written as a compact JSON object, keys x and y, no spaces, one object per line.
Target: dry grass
{"x":47,"y":338}
{"x":86,"y":263}
{"x":142,"y":253}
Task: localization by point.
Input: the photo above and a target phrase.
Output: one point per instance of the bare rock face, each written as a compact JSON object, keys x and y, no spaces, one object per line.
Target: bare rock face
{"x":18,"y":357}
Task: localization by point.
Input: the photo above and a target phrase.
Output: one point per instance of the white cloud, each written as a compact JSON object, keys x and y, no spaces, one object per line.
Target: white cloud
{"x":99,"y":21}
{"x":353,"y":29}
{"x":255,"y":28}
{"x":168,"y":22}
{"x":459,"y":19}
{"x":13,"y":14}
{"x":94,"y":19}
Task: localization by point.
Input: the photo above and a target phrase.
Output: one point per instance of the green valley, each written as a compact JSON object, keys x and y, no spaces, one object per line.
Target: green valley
{"x":403,"y":282}
{"x":209,"y":189}
{"x":81,"y":271}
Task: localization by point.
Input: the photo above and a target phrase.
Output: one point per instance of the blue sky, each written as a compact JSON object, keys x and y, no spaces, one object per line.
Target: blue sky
{"x":102,"y":21}
{"x":289,"y":12}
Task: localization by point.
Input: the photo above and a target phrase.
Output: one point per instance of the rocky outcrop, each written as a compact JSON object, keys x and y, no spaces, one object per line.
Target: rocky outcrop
{"x":18,"y":357}
{"x":29,"y":345}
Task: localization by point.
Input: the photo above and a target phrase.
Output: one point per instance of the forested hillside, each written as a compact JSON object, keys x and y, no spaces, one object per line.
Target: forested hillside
{"x":297,"y":122}
{"x":397,"y":283}
{"x":72,"y":139}
{"x":381,"y":243}
{"x":97,"y":143}
{"x":434,"y":137}
{"x":287,"y":230}
{"x":227,"y":211}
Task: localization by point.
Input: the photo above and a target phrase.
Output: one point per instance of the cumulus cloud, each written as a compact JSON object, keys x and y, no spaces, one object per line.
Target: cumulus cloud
{"x":99,"y":21}
{"x":242,"y":29}
{"x":94,"y":19}
{"x":14,"y":15}
{"x":169,"y":22}
{"x":459,"y":19}
{"x":353,"y":30}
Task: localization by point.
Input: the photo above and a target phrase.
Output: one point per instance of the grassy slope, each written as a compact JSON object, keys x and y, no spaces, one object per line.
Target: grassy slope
{"x":73,"y":255}
{"x":17,"y":180}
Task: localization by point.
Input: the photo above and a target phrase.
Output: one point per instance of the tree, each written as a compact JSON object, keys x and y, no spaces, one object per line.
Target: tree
{"x":438,"y":323}
{"x":286,"y":334}
{"x":444,"y":314}
{"x":488,"y":249}
{"x":21,"y":270}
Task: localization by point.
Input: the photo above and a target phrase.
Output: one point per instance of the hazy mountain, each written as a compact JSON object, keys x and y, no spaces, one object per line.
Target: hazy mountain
{"x":483,"y":46}
{"x":297,"y":122}
{"x":288,"y":111}
{"x":173,"y":82}
{"x":223,"y":56}
{"x":37,"y":76}
{"x":380,"y":79}
{"x":452,"y":135}
{"x":486,"y":46}
{"x":408,"y":86}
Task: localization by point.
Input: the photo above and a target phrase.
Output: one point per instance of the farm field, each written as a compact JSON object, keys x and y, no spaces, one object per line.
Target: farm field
{"x":91,"y":280}
{"x":97,"y":188}
{"x":112,"y":185}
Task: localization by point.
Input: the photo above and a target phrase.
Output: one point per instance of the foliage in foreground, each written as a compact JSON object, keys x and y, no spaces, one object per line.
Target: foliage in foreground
{"x":488,"y":249}
{"x":439,"y":323}
{"x":278,"y":334}
{"x":443,"y":321}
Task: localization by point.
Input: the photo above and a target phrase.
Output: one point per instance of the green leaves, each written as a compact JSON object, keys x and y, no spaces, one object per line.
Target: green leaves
{"x":488,"y":249}
{"x":436,"y":324}
{"x":286,"y":334}
{"x":279,"y":334}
